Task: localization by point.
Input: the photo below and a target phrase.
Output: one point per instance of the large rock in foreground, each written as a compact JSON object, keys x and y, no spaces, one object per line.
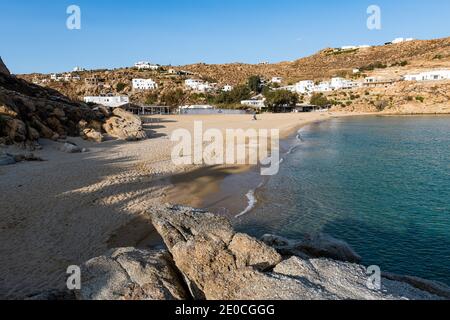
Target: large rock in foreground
{"x":132,"y":274}
{"x":218,"y":263}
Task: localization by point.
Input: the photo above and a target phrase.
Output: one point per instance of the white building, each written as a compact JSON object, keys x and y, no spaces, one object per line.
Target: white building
{"x":227,"y":88}
{"x":196,"y":107}
{"x":304,"y":86}
{"x":324,"y":86}
{"x":146,"y":65}
{"x":78,"y":69}
{"x":364,"y":46}
{"x":341,"y":83}
{"x":144,"y":84}
{"x":278,"y":80}
{"x":400,"y":40}
{"x":257,"y":102}
{"x":435,"y":75}
{"x":108,"y":101}
{"x":198,"y":85}
{"x":57,"y":77}
{"x":71,"y":77}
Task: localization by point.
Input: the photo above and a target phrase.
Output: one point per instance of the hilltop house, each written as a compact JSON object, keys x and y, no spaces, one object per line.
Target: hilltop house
{"x":108,"y":101}
{"x":56,"y":77}
{"x":227,"y":88}
{"x":434,"y":75}
{"x":324,"y":86}
{"x":141,"y":65}
{"x":257,"y":102}
{"x":198,"y":85}
{"x":78,"y":69}
{"x":278,"y":80}
{"x":341,"y":83}
{"x":400,"y":40}
{"x":304,"y":86}
{"x":144,"y":84}
{"x":95,"y":80}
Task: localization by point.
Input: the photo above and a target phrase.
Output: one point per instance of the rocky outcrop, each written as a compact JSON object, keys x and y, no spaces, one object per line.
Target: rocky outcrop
{"x":218,"y":263}
{"x":3,"y":68}
{"x":29,"y":112}
{"x":132,"y":274}
{"x":207,"y":259}
{"x":125,"y":126}
{"x":320,"y":245}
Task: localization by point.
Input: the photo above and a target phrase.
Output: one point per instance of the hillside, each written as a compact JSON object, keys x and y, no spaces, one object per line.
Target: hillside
{"x":388,"y":61}
{"x":327,"y":63}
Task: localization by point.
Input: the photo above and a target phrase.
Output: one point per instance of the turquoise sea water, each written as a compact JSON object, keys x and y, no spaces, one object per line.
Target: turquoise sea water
{"x":380,"y":183}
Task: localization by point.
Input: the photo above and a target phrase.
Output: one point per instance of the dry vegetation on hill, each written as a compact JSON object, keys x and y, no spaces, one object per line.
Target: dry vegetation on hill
{"x":388,"y":61}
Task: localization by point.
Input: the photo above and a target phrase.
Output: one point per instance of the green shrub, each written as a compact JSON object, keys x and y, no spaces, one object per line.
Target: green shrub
{"x":120,"y":86}
{"x":421,"y":99}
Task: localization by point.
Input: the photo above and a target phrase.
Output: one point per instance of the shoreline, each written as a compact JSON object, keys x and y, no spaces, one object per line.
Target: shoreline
{"x":234,"y":195}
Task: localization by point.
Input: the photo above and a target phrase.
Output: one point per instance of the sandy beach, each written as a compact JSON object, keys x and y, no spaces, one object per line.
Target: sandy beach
{"x":73,"y":207}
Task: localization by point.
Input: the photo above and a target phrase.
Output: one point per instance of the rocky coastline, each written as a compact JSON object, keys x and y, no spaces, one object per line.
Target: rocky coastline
{"x":206,"y":259}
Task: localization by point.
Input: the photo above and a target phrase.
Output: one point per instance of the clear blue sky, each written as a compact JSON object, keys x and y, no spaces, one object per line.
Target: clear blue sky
{"x":34,"y":37}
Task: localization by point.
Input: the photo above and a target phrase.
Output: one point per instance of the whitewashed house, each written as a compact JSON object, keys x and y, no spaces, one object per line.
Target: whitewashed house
{"x":227,"y":88}
{"x":304,"y":86}
{"x":78,"y":69}
{"x":324,"y":86}
{"x":278,"y":80}
{"x":198,"y":85}
{"x":71,"y":77}
{"x":341,"y":83}
{"x":287,"y":88}
{"x":144,"y":84}
{"x":435,"y":75}
{"x":108,"y":101}
{"x":400,"y":40}
{"x":257,"y":102}
{"x":142,"y":65}
{"x":56,"y":77}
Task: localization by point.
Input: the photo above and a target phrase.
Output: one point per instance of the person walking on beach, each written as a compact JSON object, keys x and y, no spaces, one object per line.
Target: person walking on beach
{"x":254,"y":116}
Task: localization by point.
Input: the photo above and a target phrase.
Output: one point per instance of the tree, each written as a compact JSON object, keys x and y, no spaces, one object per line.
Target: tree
{"x":236,"y":95}
{"x":255,"y":84}
{"x":318,"y":99}
{"x":173,"y":98}
{"x":151,"y":98}
{"x":120,"y":86}
{"x":280,"y":98}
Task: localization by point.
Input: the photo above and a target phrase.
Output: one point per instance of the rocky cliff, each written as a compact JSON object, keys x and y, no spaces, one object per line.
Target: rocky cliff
{"x":207,"y":259}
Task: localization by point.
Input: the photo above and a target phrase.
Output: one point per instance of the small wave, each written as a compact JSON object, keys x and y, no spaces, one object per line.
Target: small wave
{"x":251,"y":203}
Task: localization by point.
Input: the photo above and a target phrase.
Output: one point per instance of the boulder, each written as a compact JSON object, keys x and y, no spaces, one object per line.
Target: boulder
{"x":219,"y":264}
{"x":348,"y":281}
{"x":131,"y":274}
{"x":124,"y":126}
{"x":92,"y":135}
{"x":70,"y":148}
{"x":16,"y":130}
{"x":6,"y":159}
{"x":320,"y":245}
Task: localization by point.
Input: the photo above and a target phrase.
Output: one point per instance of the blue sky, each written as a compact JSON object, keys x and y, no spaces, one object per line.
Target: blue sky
{"x":34,"y":36}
